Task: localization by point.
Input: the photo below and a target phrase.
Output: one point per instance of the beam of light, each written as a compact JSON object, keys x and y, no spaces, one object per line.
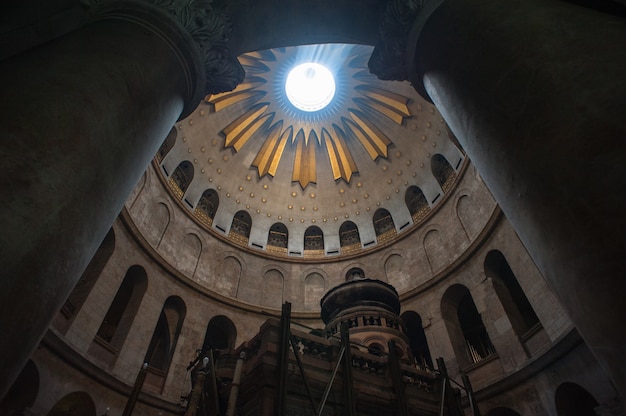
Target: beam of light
{"x":310,"y":86}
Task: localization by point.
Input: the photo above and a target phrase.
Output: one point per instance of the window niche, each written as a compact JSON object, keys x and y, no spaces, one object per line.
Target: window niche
{"x":207,"y":207}
{"x":417,"y":339}
{"x":181,"y":178}
{"x":313,"y":242}
{"x":278,"y":238}
{"x":520,"y":312}
{"x":384,"y":227}
{"x":117,"y":322}
{"x":416,"y":203}
{"x":442,"y":171}
{"x":349,"y":237}
{"x":163,"y":343}
{"x":468,"y":335}
{"x":240,"y":228}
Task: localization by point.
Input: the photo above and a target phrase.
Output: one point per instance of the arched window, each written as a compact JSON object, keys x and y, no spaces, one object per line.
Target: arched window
{"x":417,"y":339}
{"x":416,"y":203}
{"x":167,"y":144}
{"x":119,"y":318}
{"x":515,"y":303}
{"x":278,"y":238}
{"x":163,"y":342}
{"x":86,"y":282}
{"x":313,"y":241}
{"x":572,"y":400}
{"x":467,"y":332}
{"x":221,"y":334}
{"x":383,"y":225}
{"x":314,"y":288}
{"x":76,"y":403}
{"x":355,"y":273}
{"x":23,"y":392}
{"x":442,"y":171}
{"x":181,"y":178}
{"x":349,"y":238}
{"x":207,"y":207}
{"x":240,"y":227}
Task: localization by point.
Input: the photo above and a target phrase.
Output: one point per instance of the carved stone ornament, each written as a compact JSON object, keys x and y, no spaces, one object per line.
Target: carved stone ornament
{"x":388,"y":60}
{"x":210,"y":29}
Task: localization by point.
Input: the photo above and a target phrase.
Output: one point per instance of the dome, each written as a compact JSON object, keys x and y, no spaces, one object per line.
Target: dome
{"x":350,"y":177}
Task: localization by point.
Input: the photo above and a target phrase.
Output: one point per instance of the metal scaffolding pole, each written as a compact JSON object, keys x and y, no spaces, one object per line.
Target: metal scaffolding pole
{"x":198,"y":387}
{"x":296,"y":353}
{"x":470,"y":395}
{"x":347,"y":370}
{"x":134,"y":394}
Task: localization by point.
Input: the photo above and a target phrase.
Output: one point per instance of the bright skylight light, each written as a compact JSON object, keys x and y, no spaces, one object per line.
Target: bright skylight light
{"x":310,"y":86}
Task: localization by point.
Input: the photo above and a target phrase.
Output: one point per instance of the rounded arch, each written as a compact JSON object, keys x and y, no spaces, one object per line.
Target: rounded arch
{"x":278,"y":236}
{"x":166,"y":333}
{"x":78,"y":403}
{"x":121,"y":313}
{"x":349,"y":235}
{"x":519,"y":310}
{"x":383,"y":222}
{"x":355,"y":273}
{"x":182,"y":177}
{"x":314,"y":289}
{"x":469,"y":337}
{"x":241,"y":226}
{"x":207,"y":206}
{"x":23,"y":392}
{"x":221,"y":333}
{"x":313,"y":239}
{"x":573,"y":400}
{"x":272,"y":288}
{"x":416,"y":202}
{"x":417,"y":338}
{"x":442,"y":171}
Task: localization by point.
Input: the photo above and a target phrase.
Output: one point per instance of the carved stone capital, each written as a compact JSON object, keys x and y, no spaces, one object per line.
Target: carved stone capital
{"x":207,"y":26}
{"x":388,"y":60}
{"x":210,"y":28}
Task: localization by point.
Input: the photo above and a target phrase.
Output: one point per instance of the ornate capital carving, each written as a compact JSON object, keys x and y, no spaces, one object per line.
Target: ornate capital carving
{"x":209,"y":27}
{"x":388,"y":60}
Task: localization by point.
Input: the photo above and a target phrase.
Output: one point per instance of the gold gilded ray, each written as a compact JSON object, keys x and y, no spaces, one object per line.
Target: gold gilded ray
{"x":262,"y":112}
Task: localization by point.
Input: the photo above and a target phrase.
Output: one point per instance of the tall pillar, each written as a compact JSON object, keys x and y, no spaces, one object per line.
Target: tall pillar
{"x":80,"y":119}
{"x":535,"y":92}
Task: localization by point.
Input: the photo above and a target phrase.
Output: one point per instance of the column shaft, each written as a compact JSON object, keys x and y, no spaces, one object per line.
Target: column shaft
{"x":81,"y":118}
{"x":535,"y":92}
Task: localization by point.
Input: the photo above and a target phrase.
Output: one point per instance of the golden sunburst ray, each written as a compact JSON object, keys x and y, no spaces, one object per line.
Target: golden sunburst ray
{"x":304,"y":169}
{"x":262,"y":110}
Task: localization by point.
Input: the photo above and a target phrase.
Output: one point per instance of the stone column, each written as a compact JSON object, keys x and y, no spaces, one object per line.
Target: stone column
{"x":80,"y":119}
{"x":535,"y":91}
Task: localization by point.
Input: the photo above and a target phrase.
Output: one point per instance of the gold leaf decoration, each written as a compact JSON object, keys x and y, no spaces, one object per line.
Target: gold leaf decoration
{"x":262,"y":110}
